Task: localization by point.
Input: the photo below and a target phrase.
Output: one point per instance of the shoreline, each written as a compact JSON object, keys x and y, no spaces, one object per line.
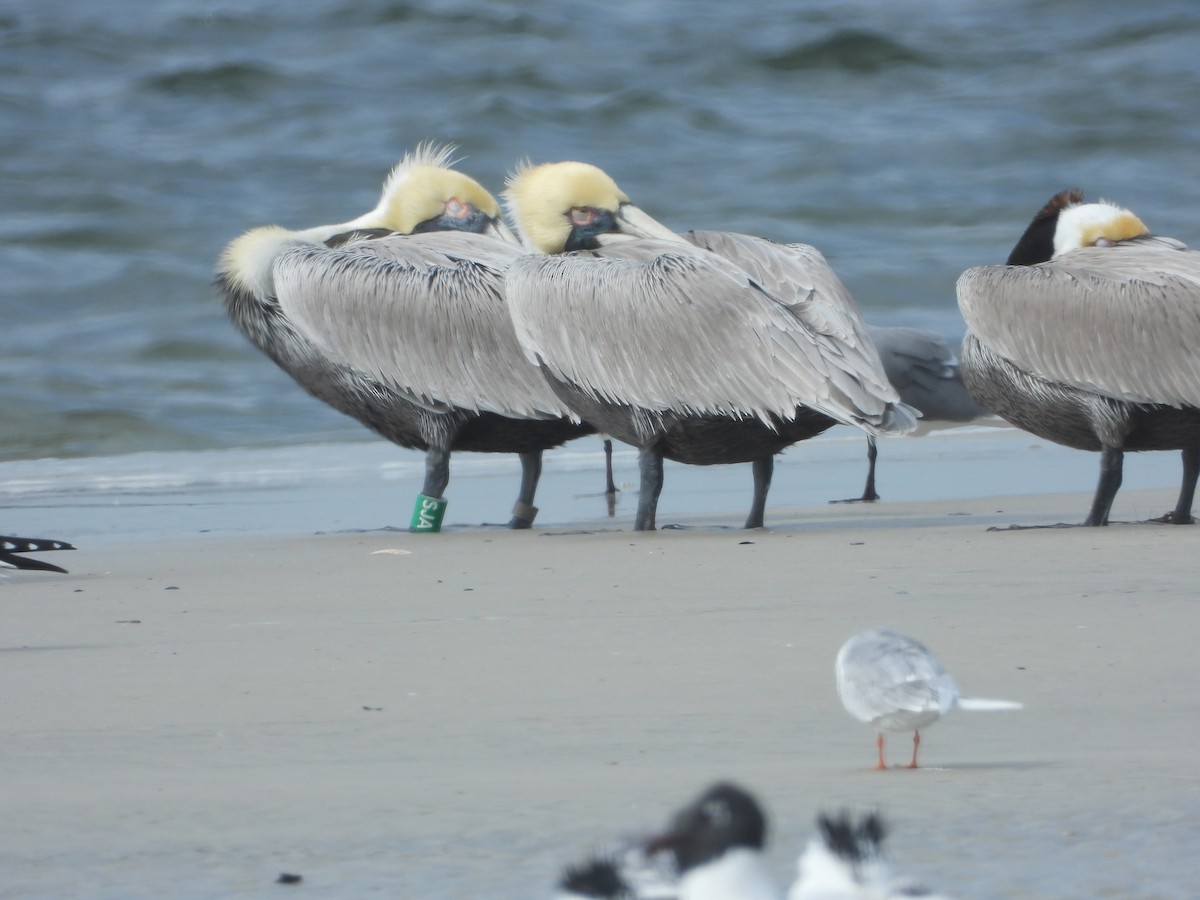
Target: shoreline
{"x":371,"y":485}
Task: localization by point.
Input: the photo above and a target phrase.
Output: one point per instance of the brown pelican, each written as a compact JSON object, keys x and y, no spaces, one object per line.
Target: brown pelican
{"x":11,"y":547}
{"x":1087,"y":338}
{"x":398,"y":319}
{"x":710,"y":348}
{"x":925,"y":371}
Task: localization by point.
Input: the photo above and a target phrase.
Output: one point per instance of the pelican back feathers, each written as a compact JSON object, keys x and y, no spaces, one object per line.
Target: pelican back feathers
{"x":798,"y":276}
{"x":1120,"y":321}
{"x":697,"y":335}
{"x":424,"y":313}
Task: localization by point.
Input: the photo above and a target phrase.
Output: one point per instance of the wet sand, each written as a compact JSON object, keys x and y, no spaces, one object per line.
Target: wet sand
{"x":462,"y":714}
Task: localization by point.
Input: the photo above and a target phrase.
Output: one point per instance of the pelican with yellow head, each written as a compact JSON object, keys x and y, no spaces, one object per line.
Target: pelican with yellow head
{"x":398,"y":319}
{"x":1088,"y":336}
{"x":704,"y":348}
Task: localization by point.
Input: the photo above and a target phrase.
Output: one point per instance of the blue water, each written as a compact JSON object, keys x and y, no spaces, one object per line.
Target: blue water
{"x":906,"y":141}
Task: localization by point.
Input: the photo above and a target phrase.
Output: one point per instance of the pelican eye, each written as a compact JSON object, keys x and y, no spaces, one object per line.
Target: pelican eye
{"x":583,"y":215}
{"x":456,"y":215}
{"x":587,"y":223}
{"x":1103,"y":242}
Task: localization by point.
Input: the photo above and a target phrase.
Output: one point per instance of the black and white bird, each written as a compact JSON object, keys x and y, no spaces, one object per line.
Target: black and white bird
{"x":598,"y":878}
{"x":717,"y":843}
{"x":1088,"y":336}
{"x":625,"y":873}
{"x":846,"y":861}
{"x":894,"y":683}
{"x":11,"y":549}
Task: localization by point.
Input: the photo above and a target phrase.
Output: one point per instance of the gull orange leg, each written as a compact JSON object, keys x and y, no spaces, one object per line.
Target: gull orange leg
{"x":879,"y":744}
{"x":916,"y":745}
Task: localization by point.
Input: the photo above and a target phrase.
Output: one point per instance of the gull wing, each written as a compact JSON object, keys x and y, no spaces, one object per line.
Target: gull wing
{"x":924,"y":369}
{"x":881,"y":672}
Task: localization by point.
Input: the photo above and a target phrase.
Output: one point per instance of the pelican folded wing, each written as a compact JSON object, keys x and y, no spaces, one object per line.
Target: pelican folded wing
{"x":424,"y":313}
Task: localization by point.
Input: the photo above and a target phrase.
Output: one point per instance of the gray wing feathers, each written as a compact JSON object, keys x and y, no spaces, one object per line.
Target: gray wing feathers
{"x":882,"y":671}
{"x":798,"y":276}
{"x":423,"y":313}
{"x":924,"y":369}
{"x":868,"y":700}
{"x":697,"y":336}
{"x":1122,"y":321}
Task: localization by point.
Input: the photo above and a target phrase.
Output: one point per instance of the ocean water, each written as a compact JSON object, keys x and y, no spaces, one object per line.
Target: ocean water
{"x":908,"y":142}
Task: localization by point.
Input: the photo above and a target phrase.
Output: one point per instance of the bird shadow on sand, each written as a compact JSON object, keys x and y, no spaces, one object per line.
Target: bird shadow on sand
{"x":1162,"y":520}
{"x":982,"y":766}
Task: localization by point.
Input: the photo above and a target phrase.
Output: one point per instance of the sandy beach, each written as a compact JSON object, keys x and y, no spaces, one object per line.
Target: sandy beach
{"x":462,"y":714}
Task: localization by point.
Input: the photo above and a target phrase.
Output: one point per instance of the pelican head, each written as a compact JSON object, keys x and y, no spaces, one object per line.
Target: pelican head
{"x":1067,"y":223}
{"x":1095,"y":225}
{"x":575,"y":206}
{"x":421,"y":194}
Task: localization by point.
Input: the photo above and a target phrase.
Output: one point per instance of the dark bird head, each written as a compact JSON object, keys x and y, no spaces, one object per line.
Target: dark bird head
{"x":723,"y":818}
{"x":1037,"y":243}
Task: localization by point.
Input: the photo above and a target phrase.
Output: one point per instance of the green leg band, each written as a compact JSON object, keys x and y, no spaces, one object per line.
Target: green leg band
{"x":427,"y":513}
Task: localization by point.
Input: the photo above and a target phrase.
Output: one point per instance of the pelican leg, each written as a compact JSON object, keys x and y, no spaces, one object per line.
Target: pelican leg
{"x":868,"y":494}
{"x":916,"y":746}
{"x":524,"y":511}
{"x":610,"y":488}
{"x":879,"y":744}
{"x":1191,"y":472}
{"x":437,"y":471}
{"x":763,"y":470}
{"x":650,"y":461}
{"x":1111,"y":462}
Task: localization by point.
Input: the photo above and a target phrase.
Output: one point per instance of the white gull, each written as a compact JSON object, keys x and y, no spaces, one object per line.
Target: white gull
{"x":892,"y":682}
